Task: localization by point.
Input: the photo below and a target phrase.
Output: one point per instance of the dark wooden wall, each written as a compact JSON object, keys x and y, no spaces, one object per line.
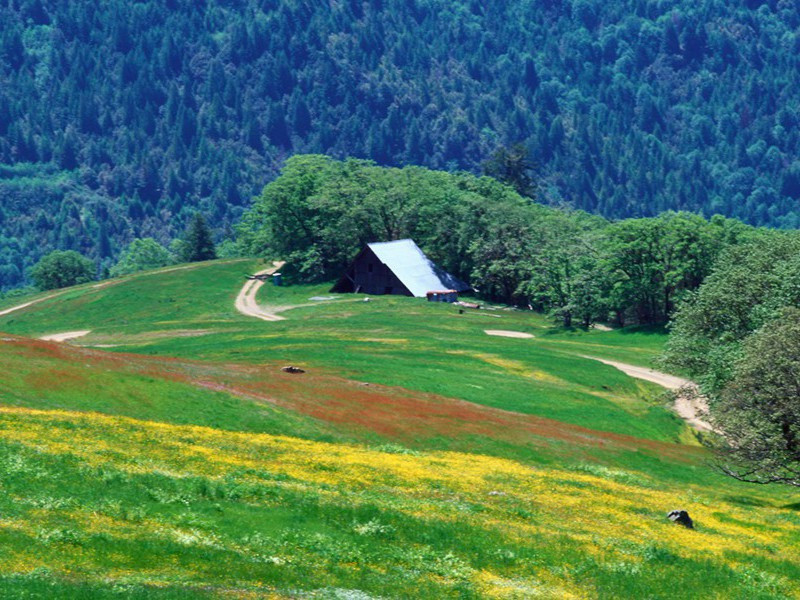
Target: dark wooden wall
{"x":370,"y":276}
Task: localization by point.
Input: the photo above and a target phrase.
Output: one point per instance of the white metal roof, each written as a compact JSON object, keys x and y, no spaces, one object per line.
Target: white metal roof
{"x":415,"y":270}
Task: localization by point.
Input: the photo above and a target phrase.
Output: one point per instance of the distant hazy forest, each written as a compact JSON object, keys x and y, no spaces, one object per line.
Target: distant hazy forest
{"x":120,"y":119}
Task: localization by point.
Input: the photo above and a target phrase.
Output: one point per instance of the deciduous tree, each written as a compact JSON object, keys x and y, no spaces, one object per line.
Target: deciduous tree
{"x":60,"y":269}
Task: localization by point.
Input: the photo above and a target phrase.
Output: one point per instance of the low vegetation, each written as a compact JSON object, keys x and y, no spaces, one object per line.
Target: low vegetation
{"x":93,"y":498}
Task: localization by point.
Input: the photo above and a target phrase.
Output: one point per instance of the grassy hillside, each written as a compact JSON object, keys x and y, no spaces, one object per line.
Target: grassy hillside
{"x":390,"y":340}
{"x":145,"y":502}
{"x":166,"y":455}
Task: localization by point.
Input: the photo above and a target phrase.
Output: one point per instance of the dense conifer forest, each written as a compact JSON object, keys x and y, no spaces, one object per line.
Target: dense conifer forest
{"x":121,"y":119}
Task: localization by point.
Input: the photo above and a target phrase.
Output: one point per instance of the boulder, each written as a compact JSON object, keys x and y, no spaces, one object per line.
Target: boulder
{"x":681,"y":517}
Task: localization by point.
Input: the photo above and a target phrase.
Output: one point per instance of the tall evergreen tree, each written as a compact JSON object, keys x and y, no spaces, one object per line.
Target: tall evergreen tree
{"x":198,"y":243}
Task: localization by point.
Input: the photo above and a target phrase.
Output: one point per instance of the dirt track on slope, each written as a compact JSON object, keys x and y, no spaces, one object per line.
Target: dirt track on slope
{"x":246,"y":302}
{"x":689,"y":403}
{"x":8,"y":311}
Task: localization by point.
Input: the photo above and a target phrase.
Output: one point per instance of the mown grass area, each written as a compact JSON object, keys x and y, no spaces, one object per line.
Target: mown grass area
{"x":91,"y":497}
{"x":418,"y":457}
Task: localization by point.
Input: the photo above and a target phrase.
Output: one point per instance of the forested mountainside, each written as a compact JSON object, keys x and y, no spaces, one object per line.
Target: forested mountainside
{"x":119,"y":119}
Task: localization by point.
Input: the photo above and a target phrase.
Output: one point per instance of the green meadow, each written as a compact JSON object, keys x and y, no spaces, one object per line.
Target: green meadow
{"x":165,"y":454}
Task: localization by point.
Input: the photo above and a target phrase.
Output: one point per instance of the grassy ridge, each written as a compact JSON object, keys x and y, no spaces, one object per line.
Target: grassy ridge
{"x":163,"y":299}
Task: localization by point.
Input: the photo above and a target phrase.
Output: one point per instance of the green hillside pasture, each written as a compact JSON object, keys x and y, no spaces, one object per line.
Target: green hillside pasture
{"x":263,"y":399}
{"x":183,"y":296}
{"x":393,"y":341}
{"x":432,"y":348}
{"x":363,"y":495}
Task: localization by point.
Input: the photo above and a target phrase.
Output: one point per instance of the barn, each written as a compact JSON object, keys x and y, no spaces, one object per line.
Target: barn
{"x":399,"y":268}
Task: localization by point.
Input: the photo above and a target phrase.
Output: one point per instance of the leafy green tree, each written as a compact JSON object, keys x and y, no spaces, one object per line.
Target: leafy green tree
{"x":502,"y":261}
{"x":651,"y":263}
{"x":228,"y":249}
{"x":60,"y":269}
{"x":750,"y":285}
{"x":140,"y":255}
{"x":758,"y":411}
{"x":565,"y":275}
{"x":198,"y":243}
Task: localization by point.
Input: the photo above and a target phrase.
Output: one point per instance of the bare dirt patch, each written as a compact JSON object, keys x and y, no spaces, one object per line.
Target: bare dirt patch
{"x":509,"y":334}
{"x":65,"y":336}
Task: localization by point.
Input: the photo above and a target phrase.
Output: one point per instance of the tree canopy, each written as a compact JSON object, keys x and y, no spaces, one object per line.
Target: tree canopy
{"x":60,"y":269}
{"x":759,"y":408}
{"x":198,"y":242}
{"x":140,"y":255}
{"x":749,"y":287}
{"x":320,"y":212}
{"x":120,"y":119}
{"x":737,"y":334}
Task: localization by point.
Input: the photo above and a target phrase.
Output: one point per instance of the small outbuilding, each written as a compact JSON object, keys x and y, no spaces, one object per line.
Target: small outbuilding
{"x":399,"y":268}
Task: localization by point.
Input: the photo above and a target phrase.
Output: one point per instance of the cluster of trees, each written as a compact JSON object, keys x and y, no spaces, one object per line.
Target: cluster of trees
{"x":320,"y":212}
{"x":64,"y":268}
{"x":121,"y":119}
{"x":739,"y":335}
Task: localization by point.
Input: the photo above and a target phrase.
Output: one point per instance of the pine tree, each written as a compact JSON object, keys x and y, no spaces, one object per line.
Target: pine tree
{"x":198,"y":243}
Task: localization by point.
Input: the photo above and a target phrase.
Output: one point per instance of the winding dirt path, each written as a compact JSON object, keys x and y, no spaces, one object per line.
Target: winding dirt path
{"x":246,"y":302}
{"x":689,"y":403}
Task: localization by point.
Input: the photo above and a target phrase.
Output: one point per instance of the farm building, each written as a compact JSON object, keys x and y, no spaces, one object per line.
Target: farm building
{"x":399,"y":268}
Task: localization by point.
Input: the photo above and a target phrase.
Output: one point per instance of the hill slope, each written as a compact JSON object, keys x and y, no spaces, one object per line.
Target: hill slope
{"x":417,"y":456}
{"x":121,"y":119}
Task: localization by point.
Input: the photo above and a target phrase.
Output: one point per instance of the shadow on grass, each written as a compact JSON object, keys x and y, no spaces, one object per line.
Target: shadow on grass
{"x":748,"y":501}
{"x":644,"y":329}
{"x":658,"y":330}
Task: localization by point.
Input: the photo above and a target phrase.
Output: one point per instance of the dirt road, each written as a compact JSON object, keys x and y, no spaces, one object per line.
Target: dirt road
{"x":246,"y":302}
{"x":689,"y":404}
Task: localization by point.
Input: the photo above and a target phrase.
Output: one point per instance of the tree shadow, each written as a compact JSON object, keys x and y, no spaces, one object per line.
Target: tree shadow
{"x":657,"y":330}
{"x":747,"y":501}
{"x":643,"y":330}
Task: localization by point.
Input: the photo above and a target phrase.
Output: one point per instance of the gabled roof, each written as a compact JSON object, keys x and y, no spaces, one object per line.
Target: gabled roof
{"x":415,"y":270}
